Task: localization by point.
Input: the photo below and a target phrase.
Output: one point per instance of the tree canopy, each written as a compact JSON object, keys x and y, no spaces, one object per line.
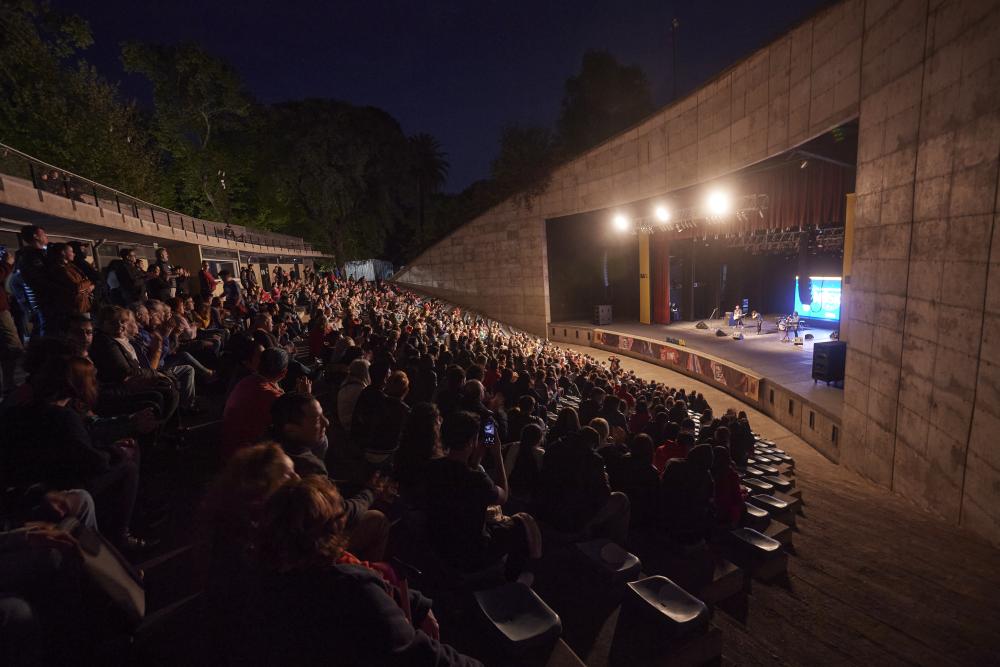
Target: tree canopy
{"x":343,"y":176}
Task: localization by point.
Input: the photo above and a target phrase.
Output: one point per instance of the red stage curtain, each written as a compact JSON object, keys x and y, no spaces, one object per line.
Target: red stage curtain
{"x":798,"y":197}
{"x":660,"y":269}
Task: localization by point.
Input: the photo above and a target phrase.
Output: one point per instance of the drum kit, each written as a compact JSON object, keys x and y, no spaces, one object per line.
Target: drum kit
{"x":787,"y":324}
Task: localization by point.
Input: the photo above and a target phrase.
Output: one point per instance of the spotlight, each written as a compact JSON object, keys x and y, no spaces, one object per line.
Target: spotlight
{"x":662,"y":213}
{"x":805,"y":163}
{"x":621,"y":222}
{"x":718,"y":203}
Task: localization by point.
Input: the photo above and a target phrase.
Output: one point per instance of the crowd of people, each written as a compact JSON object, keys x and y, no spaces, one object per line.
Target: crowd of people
{"x":367,"y":431}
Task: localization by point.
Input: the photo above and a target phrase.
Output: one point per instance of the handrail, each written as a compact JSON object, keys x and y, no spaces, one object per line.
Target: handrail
{"x":50,"y":178}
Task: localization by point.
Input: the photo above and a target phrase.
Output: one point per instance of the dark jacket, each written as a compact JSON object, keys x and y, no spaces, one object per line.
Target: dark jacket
{"x":351,"y":620}
{"x":114,"y":364}
{"x":50,"y":444}
{"x":573,"y":485}
{"x":131,"y":283}
{"x":32,"y":268}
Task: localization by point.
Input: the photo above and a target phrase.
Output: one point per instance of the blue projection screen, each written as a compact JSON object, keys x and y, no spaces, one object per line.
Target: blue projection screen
{"x":825,"y":299}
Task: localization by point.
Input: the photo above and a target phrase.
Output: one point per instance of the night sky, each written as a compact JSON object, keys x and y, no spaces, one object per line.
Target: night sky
{"x":458,"y":70}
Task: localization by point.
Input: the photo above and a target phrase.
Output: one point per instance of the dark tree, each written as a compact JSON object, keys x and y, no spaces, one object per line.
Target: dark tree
{"x":430,"y":171}
{"x":603,"y":99}
{"x":524,"y":166}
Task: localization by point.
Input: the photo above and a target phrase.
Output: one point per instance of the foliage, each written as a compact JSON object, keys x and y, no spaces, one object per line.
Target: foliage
{"x":338,"y":174}
{"x":429,"y":171}
{"x":523,"y":169}
{"x":338,"y":170}
{"x":603,"y":99}
{"x":57,"y":107}
{"x":199,"y":105}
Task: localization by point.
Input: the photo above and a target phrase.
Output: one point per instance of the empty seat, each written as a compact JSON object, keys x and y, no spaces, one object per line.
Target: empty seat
{"x":521,"y":620}
{"x":757,"y":517}
{"x":780,"y":481}
{"x":767,"y":468}
{"x":656,"y":620}
{"x":758,"y":484}
{"x":671,"y":605}
{"x":768,"y":503}
{"x":757,"y":553}
{"x":754,"y":471}
{"x":614,"y":563}
{"x":776,"y":507}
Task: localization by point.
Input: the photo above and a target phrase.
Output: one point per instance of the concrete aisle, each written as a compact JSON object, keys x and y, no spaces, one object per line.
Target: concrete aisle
{"x":873,"y":579}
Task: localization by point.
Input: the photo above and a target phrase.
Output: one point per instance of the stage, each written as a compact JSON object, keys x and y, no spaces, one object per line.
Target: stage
{"x":784,"y":364}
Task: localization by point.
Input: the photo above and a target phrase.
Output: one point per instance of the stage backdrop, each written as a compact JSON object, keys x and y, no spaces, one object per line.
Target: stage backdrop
{"x":733,"y":380}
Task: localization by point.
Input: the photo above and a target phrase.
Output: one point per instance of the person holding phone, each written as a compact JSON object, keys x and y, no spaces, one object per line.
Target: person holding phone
{"x":459,"y":492}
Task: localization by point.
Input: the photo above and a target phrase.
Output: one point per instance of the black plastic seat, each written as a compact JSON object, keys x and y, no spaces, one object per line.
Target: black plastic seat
{"x":758,"y":484}
{"x":615,"y":564}
{"x":675,"y":607}
{"x":521,"y":620}
{"x":757,"y":518}
{"x":780,"y":481}
{"x":757,"y":541}
{"x":768,"y":503}
{"x":758,"y":554}
{"x":658,"y":618}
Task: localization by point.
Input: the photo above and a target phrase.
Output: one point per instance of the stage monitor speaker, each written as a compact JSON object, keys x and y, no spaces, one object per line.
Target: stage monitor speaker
{"x":701,"y":325}
{"x":720,"y":333}
{"x":602,"y":314}
{"x":808,"y":336}
{"x":798,"y":340}
{"x":829,"y":360}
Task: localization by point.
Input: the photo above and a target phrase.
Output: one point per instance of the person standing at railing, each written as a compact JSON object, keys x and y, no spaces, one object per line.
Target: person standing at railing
{"x":71,"y":290}
{"x":126,"y":279}
{"x":207,"y":281}
{"x":174,"y":276}
{"x":32,"y":270}
{"x":10,"y":341}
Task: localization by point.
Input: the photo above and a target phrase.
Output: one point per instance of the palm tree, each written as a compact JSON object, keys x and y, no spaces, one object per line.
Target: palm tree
{"x":430,"y":169}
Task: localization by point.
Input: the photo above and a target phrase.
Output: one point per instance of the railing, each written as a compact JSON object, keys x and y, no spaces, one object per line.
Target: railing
{"x":49,"y":178}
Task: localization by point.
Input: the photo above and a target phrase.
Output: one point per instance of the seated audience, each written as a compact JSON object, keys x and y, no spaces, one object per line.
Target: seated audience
{"x":355,"y":615}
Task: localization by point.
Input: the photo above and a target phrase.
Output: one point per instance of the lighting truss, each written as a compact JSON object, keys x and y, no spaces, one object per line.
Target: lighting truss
{"x":744,"y":209}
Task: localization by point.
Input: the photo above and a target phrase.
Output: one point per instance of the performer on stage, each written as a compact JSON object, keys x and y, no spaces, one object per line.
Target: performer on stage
{"x":793,"y":324}
{"x":738,"y":317}
{"x":756,"y":317}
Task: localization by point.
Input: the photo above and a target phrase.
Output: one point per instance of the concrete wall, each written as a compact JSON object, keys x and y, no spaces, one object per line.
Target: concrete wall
{"x":922,"y":397}
{"x":799,"y":86}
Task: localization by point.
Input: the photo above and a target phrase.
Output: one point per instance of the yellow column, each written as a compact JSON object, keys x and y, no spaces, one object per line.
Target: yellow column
{"x":644,"y":298}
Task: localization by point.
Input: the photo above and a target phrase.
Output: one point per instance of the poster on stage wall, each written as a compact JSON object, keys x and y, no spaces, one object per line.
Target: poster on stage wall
{"x":711,"y":370}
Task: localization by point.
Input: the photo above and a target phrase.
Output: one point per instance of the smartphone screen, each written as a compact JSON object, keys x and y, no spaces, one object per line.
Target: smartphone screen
{"x":489,"y":433}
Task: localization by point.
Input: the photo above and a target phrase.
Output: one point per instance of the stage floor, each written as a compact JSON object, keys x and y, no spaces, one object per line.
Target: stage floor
{"x":786,"y":364}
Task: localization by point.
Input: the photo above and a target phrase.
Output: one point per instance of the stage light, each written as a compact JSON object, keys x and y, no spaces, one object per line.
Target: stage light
{"x":621,"y":222}
{"x":805,"y":163}
{"x":718,"y":203}
{"x":662,"y":213}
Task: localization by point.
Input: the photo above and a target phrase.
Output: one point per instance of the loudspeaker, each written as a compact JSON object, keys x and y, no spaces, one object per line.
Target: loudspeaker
{"x":829,"y":360}
{"x":701,"y":325}
{"x":808,"y":336}
{"x":720,"y":333}
{"x":798,"y":340}
{"x":737,"y":336}
{"x":602,"y":314}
